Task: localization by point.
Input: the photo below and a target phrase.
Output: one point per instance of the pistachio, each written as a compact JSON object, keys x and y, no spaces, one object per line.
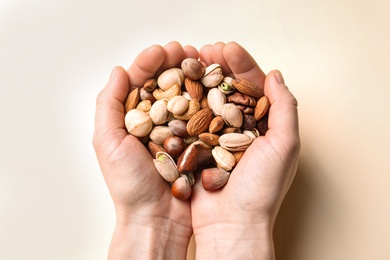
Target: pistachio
{"x":223,"y":158}
{"x":138,"y":123}
{"x":169,"y":78}
{"x":216,"y":99}
{"x":177,"y":105}
{"x":159,"y":112}
{"x":254,"y":133}
{"x":232,"y":115}
{"x":226,"y":86}
{"x":212,"y":76}
{"x":235,"y":142}
{"x":166,"y":167}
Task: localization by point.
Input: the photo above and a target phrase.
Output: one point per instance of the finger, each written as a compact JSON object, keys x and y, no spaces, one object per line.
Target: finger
{"x":109,"y":116}
{"x":146,"y":65}
{"x":283,"y":113}
{"x":174,"y":54}
{"x":190,"y":52}
{"x":204,"y":54}
{"x":242,"y":64}
{"x":216,"y":53}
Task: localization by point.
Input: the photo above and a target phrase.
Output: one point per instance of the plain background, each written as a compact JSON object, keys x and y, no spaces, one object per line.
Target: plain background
{"x":55,"y":56}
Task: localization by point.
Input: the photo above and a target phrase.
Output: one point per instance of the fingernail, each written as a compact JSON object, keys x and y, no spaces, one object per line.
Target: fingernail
{"x":113,"y":72}
{"x":279,"y":77}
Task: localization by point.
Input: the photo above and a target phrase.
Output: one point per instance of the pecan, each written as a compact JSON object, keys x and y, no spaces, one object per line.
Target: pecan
{"x":241,"y":99}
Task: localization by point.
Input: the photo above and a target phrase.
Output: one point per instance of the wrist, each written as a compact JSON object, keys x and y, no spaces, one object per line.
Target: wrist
{"x":235,"y":241}
{"x":142,"y":238}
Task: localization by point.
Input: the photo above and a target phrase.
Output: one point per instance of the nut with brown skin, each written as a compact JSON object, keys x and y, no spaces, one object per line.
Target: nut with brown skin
{"x":132,"y":100}
{"x":159,"y":134}
{"x":241,"y":99}
{"x":214,"y":178}
{"x":154,"y":148}
{"x":192,"y":68}
{"x":199,"y":122}
{"x":144,"y":95}
{"x":174,"y":145}
{"x":195,"y":157}
{"x":150,"y":85}
{"x":216,"y":124}
{"x":178,"y":127}
{"x":249,"y":122}
{"x":247,"y":87}
{"x":261,"y":108}
{"x":238,"y":156}
{"x":194,"y":88}
{"x":181,"y":188}
{"x":208,"y":138}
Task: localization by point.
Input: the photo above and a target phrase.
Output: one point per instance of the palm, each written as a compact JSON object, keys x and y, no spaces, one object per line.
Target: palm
{"x":127,"y":166}
{"x":259,"y":182}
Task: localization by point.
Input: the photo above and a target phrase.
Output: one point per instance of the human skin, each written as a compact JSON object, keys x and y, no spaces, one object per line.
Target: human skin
{"x":150,"y":222}
{"x":233,"y":223}
{"x":236,"y":221}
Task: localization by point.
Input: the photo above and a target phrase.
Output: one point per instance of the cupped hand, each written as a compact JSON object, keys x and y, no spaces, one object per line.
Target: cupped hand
{"x":246,"y":207}
{"x":141,"y":197}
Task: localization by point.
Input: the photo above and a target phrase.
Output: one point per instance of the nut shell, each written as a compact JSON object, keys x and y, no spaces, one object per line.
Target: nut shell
{"x":169,"y":78}
{"x":138,"y":123}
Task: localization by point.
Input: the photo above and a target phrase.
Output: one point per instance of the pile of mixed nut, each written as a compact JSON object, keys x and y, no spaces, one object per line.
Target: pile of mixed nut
{"x":194,"y":120}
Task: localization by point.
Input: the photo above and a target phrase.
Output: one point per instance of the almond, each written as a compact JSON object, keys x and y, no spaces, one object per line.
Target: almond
{"x":199,"y":122}
{"x":216,"y":124}
{"x":132,"y":100}
{"x":210,"y":139}
{"x":261,"y":108}
{"x":194,"y":88}
{"x":247,"y":87}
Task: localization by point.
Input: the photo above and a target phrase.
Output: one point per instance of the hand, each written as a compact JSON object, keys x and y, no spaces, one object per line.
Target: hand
{"x":151,"y":223}
{"x":236,"y":222}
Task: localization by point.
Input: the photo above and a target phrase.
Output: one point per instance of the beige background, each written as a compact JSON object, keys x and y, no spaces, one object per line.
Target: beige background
{"x":55,"y":56}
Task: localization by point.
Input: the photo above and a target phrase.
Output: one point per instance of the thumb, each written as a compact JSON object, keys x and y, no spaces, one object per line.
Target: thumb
{"x":283,"y":112}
